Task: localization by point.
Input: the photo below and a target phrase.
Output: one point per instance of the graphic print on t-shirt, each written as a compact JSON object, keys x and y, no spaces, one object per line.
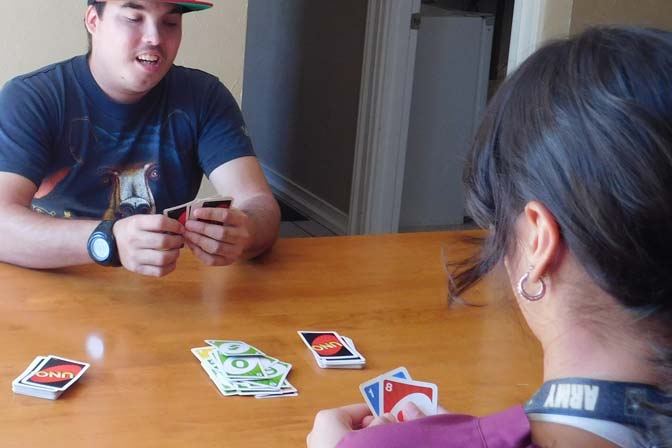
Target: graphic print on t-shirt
{"x":116,"y":174}
{"x":131,"y":191}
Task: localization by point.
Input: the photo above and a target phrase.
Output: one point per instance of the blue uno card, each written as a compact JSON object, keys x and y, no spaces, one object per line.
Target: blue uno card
{"x":371,"y":389}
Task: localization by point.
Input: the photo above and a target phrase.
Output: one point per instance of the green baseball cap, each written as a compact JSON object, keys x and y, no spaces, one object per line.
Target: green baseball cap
{"x":188,"y":5}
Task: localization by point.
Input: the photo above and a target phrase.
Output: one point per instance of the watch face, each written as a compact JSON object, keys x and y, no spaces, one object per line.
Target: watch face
{"x":100,"y":249}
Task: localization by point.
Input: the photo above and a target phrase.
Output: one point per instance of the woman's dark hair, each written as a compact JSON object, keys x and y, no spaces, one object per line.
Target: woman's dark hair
{"x":584,"y":126}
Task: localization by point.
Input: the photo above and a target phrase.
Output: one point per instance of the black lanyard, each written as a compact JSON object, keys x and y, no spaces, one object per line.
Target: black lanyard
{"x":625,"y":403}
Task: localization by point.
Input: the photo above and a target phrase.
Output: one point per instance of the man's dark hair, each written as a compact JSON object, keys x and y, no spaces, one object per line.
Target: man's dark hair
{"x":584,"y":126}
{"x":100,"y":8}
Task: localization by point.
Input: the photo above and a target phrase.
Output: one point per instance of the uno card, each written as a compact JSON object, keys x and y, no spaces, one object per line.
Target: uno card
{"x":371,"y":389}
{"x":327,"y":345}
{"x":180,"y":213}
{"x":276,"y":371}
{"x":397,"y":392}
{"x":243,"y":367}
{"x":219,"y":202}
{"x":202,"y":353}
{"x":238,"y":368}
{"x":349,"y":343}
{"x":55,"y":373}
{"x":33,"y":365}
{"x":287,"y":390}
{"x":30,"y":370}
{"x":234,"y":348}
{"x":222,"y":383}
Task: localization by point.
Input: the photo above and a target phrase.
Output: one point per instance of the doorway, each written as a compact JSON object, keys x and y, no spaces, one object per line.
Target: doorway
{"x":302,"y":76}
{"x":327,"y":95}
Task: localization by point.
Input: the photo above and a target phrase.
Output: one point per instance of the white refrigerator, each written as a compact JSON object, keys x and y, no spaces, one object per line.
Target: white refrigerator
{"x":450,"y":88}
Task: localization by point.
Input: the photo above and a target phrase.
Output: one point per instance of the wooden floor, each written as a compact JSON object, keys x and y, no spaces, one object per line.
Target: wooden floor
{"x":296,"y":225}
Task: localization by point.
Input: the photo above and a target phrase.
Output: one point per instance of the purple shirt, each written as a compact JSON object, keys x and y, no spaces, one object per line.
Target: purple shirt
{"x":506,"y":429}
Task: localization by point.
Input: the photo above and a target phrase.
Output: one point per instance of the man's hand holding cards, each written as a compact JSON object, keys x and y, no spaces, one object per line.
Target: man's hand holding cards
{"x":184,"y":212}
{"x":392,"y":391}
{"x":216,"y":233}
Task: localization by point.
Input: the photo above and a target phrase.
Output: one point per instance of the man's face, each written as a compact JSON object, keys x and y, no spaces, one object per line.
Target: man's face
{"x":134,"y":45}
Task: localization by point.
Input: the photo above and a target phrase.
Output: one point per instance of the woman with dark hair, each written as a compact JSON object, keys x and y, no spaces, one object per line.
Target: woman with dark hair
{"x":571,"y":172}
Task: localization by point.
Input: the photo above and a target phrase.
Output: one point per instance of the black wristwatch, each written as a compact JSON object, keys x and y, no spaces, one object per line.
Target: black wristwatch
{"x":102,"y":246}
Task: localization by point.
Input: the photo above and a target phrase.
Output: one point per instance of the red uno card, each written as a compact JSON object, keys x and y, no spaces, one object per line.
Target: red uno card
{"x":396,"y":392}
{"x":371,"y":389}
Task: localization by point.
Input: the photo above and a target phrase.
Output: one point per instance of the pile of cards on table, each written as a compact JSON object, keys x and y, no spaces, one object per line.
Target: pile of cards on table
{"x":332,"y":351}
{"x":238,"y":368}
{"x":48,"y":377}
{"x":391,"y":391}
{"x":183,"y":212}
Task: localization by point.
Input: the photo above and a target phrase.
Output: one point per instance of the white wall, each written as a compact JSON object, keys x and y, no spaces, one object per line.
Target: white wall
{"x":34,"y":33}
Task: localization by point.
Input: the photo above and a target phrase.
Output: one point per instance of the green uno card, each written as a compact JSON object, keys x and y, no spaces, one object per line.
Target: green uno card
{"x":234,"y":348}
{"x":240,"y":367}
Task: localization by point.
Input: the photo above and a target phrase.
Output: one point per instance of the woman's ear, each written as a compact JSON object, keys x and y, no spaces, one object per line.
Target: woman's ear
{"x":541,"y":239}
{"x":91,"y":19}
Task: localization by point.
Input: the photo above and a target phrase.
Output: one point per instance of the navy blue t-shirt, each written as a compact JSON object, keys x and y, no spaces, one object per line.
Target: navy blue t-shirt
{"x":92,"y":157}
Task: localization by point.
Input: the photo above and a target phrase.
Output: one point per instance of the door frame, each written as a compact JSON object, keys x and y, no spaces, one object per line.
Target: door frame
{"x":534,"y":22}
{"x":386,"y":93}
{"x":382,"y":123}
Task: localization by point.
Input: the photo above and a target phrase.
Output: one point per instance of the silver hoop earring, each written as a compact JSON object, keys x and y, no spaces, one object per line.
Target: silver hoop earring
{"x":526,"y":295}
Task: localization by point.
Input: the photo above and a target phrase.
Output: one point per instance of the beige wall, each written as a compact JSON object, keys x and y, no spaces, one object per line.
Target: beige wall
{"x":536,"y":21}
{"x":38,"y":32}
{"x":556,"y":19}
{"x":655,"y":13}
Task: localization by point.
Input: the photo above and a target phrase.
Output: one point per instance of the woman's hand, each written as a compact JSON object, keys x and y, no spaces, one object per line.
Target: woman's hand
{"x":331,"y":425}
{"x":411,"y":412}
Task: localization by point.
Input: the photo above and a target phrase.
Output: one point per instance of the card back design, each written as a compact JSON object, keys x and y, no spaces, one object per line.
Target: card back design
{"x":327,"y":345}
{"x":55,"y":373}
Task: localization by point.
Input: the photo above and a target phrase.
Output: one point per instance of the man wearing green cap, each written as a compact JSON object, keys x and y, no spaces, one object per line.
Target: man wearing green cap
{"x":92,"y":149}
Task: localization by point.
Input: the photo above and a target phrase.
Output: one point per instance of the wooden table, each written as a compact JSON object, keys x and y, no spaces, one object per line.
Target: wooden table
{"x":388,"y":293}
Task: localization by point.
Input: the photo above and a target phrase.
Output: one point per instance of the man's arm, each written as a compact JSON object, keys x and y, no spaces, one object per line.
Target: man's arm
{"x":33,"y":240}
{"x":250,"y":227}
{"x":38,"y":241}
